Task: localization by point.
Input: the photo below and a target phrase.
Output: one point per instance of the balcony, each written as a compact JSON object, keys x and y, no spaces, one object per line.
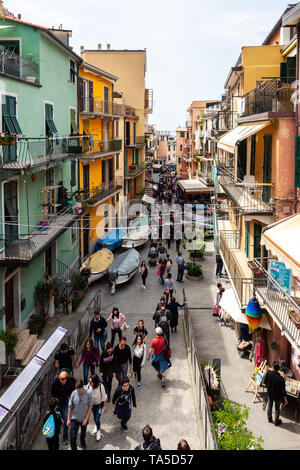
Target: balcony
{"x":188,"y":124}
{"x":248,"y":195}
{"x":236,"y":263}
{"x":206,"y":178}
{"x":277,"y":303}
{"x":93,"y":149}
{"x":99,"y":107}
{"x":135,"y":141}
{"x":149,"y":129}
{"x":15,"y":66}
{"x":94,"y":197}
{"x":29,"y":153}
{"x":135,"y":170}
{"x":270,"y":96}
{"x":148,"y":101}
{"x":21,"y":250}
{"x":130,"y":112}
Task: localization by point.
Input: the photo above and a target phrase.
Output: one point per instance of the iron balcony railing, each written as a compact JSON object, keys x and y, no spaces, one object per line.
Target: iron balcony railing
{"x":250,"y":196}
{"x":98,"y":148}
{"x":100,"y":106}
{"x":14,"y":65}
{"x":135,"y":141}
{"x":278,"y":303}
{"x":130,"y":111}
{"x":135,"y":169}
{"x":270,"y":95}
{"x":28,"y":153}
{"x":94,"y":196}
{"x":148,"y":99}
{"x":243,"y":285}
{"x":20,"y":249}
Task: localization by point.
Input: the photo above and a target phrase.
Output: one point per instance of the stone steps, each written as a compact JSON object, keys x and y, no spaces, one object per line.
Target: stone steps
{"x":33,"y":351}
{"x":27,"y":347}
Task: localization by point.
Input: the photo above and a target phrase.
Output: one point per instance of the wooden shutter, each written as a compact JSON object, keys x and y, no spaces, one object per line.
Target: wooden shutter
{"x":73,"y":172}
{"x":10,"y":129}
{"x":247,"y":239}
{"x":91,"y":97}
{"x":253,"y":149}
{"x":297,"y":163}
{"x":49,"y":118}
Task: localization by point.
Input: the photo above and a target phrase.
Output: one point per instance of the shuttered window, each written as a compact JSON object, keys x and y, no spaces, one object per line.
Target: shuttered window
{"x":9,"y":112}
{"x":74,"y":127}
{"x":297,"y":163}
{"x":51,"y":128}
{"x":73,"y":172}
{"x":72,"y":71}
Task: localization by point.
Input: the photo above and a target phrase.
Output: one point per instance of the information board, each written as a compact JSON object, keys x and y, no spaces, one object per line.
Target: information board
{"x":282,"y":275}
{"x":52,"y":343}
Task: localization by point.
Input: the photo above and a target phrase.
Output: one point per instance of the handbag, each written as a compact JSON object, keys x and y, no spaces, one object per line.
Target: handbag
{"x":124,"y":326}
{"x":166,"y":292}
{"x":216,"y":311}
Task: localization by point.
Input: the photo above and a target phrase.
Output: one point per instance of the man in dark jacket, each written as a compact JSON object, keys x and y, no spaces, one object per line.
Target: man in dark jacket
{"x":276,"y":392}
{"x":123,"y":399}
{"x":98,"y":329}
{"x":62,"y":387}
{"x":150,"y":442}
{"x":162,"y":318}
{"x":123,"y":359}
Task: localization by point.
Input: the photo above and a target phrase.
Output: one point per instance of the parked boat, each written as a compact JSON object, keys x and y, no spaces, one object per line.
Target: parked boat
{"x":112,"y":239}
{"x":123,"y":268}
{"x":138,"y":233}
{"x":96,"y":265}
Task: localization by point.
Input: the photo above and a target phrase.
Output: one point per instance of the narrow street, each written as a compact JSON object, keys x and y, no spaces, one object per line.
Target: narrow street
{"x":170,"y":411}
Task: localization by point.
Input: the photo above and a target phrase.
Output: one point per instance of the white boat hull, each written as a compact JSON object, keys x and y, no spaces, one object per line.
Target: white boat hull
{"x":133,"y":243}
{"x":96,"y":276}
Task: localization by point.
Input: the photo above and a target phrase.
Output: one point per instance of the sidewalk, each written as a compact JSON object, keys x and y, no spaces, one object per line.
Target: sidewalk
{"x":220,"y":342}
{"x":170,"y":411}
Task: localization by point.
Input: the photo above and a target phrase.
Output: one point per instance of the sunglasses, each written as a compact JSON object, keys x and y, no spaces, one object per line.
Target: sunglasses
{"x":80,"y":389}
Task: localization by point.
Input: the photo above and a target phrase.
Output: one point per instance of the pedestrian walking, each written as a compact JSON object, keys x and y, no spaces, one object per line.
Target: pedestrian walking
{"x":162,"y":317}
{"x":141,"y":330}
{"x":161,"y":271}
{"x":117,"y":319}
{"x":150,"y":442}
{"x":61,"y":388}
{"x":108,"y":368}
{"x":89,"y":357}
{"x":169,"y":287}
{"x":160,"y":362}
{"x":144,"y":270}
{"x":98,"y":329}
{"x":99,"y":403}
{"x":53,"y":442}
{"x":276,"y":392}
{"x":218,"y":309}
{"x":123,"y":400}
{"x":169,"y":264}
{"x":123,"y":357}
{"x":139,"y":357}
{"x":181,"y":267}
{"x":173,"y":306}
{"x":219,"y":266}
{"x":162,"y":252}
{"x":178,"y":243}
{"x":183,"y":445}
{"x":80,"y":407}
{"x":65,"y":358}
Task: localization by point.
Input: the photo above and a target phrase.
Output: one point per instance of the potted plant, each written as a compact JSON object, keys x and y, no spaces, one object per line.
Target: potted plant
{"x":80,"y":285}
{"x":29,"y":68}
{"x":36,"y":324}
{"x":194,"y":271}
{"x":7,"y":139}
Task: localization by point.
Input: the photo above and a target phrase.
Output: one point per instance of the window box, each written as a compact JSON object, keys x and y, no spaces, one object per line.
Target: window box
{"x":8,"y":142}
{"x":294,"y":317}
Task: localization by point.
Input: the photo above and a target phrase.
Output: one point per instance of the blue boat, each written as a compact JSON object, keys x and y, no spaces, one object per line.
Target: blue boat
{"x":111,"y":240}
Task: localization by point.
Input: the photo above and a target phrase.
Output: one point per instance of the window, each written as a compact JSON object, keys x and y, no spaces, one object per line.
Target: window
{"x":182,"y":134}
{"x":181,"y":148}
{"x":50,"y":126}
{"x":74,"y":128}
{"x":9,"y":113}
{"x":72,"y":71}
{"x":117,"y":161}
{"x":73,"y":172}
{"x":179,"y":160}
{"x":117,"y":128}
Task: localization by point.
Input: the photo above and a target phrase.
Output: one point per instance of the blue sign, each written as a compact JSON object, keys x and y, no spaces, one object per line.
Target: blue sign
{"x":282,"y":276}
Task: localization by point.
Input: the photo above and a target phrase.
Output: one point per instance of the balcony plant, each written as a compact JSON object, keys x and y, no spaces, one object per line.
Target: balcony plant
{"x":36,"y":324}
{"x":194,"y":270}
{"x":30,"y":68}
{"x":80,"y":285}
{"x":8,"y":139}
{"x":10,"y":339}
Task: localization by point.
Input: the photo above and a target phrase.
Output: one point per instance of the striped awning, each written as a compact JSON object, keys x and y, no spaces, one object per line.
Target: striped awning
{"x":232,"y":138}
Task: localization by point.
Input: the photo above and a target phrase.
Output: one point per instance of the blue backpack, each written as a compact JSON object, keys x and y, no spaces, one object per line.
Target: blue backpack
{"x":49,"y":427}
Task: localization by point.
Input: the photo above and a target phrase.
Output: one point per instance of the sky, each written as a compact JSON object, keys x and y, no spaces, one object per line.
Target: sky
{"x":191,"y":44}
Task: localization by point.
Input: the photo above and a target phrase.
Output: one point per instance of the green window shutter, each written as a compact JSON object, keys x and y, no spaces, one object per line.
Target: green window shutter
{"x":9,"y":110}
{"x":247,"y":241}
{"x":49,"y":119}
{"x":283,"y":70}
{"x":73,"y":121}
{"x":291,"y":67}
{"x":126,"y":162}
{"x":73,"y":172}
{"x":297,"y":163}
{"x":136,"y":156}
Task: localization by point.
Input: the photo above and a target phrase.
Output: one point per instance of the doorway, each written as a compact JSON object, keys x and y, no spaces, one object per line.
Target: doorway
{"x":11,"y":299}
{"x":50,"y":261}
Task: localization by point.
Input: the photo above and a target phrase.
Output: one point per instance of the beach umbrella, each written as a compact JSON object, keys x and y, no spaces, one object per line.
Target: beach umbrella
{"x":253,"y":314}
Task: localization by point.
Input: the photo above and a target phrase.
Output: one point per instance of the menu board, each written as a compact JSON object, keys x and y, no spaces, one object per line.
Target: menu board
{"x":292,"y":387}
{"x":281,"y":275}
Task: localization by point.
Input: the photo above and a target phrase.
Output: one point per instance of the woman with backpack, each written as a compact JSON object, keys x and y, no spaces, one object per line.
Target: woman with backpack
{"x":139,"y":357}
{"x":117,"y":319}
{"x":99,"y":402}
{"x":173,"y":306}
{"x":90,"y":358}
{"x":123,"y":399}
{"x":144,"y":270}
{"x":161,"y":271}
{"x":52,"y":423}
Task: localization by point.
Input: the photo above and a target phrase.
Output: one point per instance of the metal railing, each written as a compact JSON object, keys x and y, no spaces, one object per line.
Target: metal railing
{"x":91,"y":147}
{"x":130,"y":111}
{"x":14,"y":65}
{"x":208,"y":430}
{"x":250,"y":196}
{"x":277,"y":301}
{"x":270,"y":95}
{"x":95,"y":195}
{"x":148,"y":99}
{"x":134,"y":170}
{"x":229,"y":243}
{"x":33,"y":152}
{"x":100,"y":106}
{"x":134,"y":141}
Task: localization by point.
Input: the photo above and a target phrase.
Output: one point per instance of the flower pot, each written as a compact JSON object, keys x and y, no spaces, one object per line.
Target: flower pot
{"x":70,"y":307}
{"x":31,"y":79}
{"x":194,"y":278}
{"x":80,"y":294}
{"x":7,"y":142}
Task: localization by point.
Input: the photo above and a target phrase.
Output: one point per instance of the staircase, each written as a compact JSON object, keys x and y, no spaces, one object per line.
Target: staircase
{"x":27,"y":347}
{"x":64,"y":275}
{"x":149,"y":191}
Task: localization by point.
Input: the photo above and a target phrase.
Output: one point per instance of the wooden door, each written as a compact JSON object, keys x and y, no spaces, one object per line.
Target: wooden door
{"x":9,"y":304}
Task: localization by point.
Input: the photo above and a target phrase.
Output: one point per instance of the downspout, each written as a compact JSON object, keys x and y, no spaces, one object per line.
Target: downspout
{"x":297,"y":105}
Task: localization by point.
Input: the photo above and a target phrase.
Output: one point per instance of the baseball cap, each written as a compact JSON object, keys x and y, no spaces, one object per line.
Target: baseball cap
{"x":158,"y":330}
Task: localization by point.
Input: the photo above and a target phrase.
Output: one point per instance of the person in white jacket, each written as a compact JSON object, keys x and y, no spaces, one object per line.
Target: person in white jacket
{"x":99,"y":402}
{"x":139,"y":357}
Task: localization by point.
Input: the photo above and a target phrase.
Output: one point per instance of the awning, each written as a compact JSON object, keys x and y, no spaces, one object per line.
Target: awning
{"x":282,"y":239}
{"x":148,"y":199}
{"x":232,"y":138}
{"x":229,"y":303}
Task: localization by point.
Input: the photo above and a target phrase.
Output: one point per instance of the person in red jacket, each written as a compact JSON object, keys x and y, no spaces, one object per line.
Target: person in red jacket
{"x":89,"y":357}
